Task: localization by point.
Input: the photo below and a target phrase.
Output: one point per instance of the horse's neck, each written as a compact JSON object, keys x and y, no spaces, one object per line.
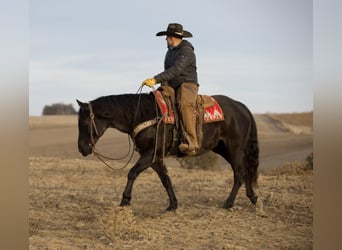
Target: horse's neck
{"x":125,"y":114}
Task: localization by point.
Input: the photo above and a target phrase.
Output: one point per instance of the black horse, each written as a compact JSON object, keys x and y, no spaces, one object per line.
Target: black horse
{"x":235,"y":139}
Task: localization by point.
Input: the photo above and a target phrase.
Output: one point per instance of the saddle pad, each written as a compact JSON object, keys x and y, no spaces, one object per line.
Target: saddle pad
{"x":211,"y":113}
{"x":163,"y":107}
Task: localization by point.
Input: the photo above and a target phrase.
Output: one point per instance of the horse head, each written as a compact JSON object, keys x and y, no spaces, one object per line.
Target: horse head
{"x":91,"y":126}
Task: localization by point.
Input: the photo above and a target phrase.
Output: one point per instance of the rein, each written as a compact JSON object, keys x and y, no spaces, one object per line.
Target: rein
{"x":136,"y":130}
{"x":130,"y":152}
{"x":100,"y":156}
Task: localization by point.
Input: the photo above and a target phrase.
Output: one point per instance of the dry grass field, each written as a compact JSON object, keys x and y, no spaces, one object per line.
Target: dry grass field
{"x":74,"y":200}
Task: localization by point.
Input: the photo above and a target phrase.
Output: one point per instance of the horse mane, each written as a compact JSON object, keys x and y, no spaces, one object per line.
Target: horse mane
{"x":125,"y":103}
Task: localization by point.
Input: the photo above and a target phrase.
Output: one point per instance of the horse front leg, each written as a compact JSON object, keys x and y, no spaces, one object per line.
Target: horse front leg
{"x":133,"y":173}
{"x":161,"y":170}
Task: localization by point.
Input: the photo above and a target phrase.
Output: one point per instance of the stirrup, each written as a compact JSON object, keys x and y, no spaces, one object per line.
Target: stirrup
{"x":184,"y":148}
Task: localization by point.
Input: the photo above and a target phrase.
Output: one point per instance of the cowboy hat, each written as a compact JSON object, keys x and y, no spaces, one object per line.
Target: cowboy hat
{"x":175,"y":29}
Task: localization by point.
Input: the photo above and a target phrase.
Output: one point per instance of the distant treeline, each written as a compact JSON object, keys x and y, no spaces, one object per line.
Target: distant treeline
{"x":59,"y":109}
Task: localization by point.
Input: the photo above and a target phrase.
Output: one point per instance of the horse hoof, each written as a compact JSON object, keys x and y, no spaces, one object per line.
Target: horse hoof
{"x":125,"y":203}
{"x":171,"y":208}
{"x":228,"y":205}
{"x":254,"y":199}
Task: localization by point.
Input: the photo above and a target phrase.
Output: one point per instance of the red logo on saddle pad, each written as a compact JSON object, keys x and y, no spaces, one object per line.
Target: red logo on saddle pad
{"x":212,"y":113}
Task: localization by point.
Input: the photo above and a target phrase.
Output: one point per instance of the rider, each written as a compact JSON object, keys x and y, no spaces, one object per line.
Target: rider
{"x":180,"y":74}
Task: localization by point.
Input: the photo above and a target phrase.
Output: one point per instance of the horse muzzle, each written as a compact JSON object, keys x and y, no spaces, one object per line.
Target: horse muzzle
{"x":85,"y":150}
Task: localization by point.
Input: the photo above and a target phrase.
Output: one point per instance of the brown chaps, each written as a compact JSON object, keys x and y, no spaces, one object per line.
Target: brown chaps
{"x":186,"y":96}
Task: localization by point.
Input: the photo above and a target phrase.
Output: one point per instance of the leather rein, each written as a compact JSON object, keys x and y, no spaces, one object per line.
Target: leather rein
{"x":137,"y":129}
{"x":100,"y":156}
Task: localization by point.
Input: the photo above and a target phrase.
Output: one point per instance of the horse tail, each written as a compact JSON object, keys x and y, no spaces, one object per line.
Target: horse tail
{"x":253,"y":153}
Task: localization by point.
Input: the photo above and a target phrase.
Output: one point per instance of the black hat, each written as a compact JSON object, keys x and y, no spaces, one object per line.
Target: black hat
{"x":175,"y":29}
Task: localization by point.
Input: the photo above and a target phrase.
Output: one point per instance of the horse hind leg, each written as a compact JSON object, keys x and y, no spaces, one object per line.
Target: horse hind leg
{"x":249,"y":190}
{"x":241,"y":174}
{"x":252,"y":163}
{"x":236,"y":161}
{"x":237,"y":166}
{"x":236,"y":186}
{"x":221,"y":149}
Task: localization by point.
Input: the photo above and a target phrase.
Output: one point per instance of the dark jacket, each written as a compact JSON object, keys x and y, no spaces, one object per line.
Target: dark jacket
{"x":179,"y":65}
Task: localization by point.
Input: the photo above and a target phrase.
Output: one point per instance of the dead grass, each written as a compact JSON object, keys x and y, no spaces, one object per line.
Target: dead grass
{"x":291,"y":168}
{"x":74,"y":205}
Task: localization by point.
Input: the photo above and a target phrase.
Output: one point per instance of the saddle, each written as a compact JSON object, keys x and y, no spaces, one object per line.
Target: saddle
{"x":207,"y":110}
{"x":207,"y":107}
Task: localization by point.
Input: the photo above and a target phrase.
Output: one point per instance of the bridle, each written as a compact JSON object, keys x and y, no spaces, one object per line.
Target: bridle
{"x":100,"y":156}
{"x":92,"y":125}
{"x":136,"y":130}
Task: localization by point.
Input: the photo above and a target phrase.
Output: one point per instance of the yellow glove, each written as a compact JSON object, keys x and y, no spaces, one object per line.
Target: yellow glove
{"x":149,"y":82}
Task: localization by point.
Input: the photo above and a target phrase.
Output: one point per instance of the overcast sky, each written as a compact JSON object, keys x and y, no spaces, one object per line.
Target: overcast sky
{"x":256,"y":51}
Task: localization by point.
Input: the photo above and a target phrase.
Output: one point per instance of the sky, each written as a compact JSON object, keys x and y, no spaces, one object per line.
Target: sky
{"x":258,"y":52}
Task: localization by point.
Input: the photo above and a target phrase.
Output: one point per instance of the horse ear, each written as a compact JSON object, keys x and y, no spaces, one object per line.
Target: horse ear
{"x":79,"y":102}
{"x":82,"y":104}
